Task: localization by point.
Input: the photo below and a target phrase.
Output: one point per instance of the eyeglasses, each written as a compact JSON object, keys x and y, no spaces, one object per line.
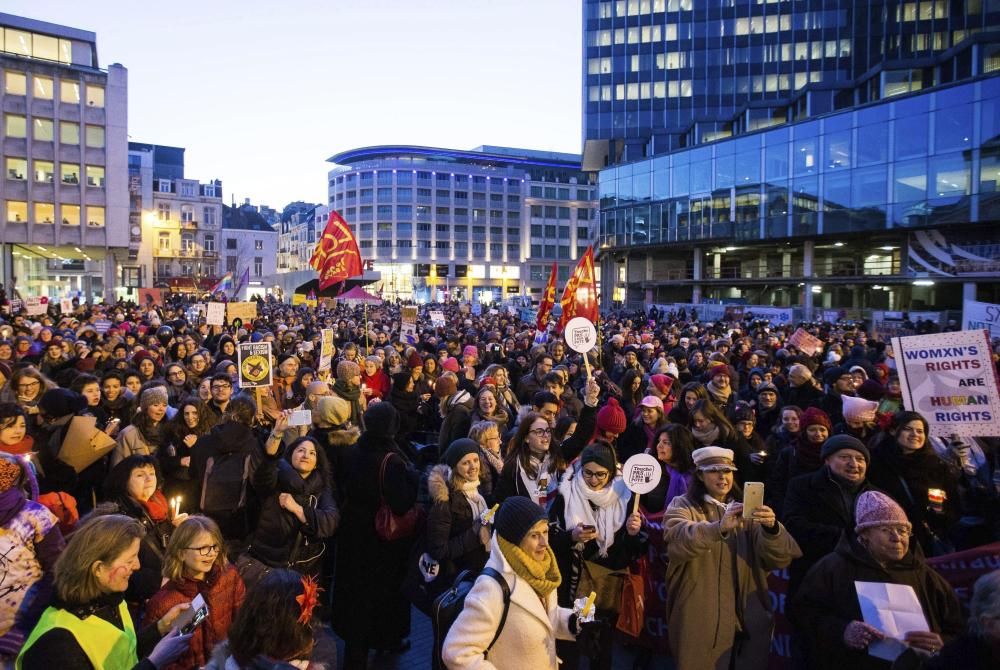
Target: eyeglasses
{"x":29,"y":385}
{"x":599,"y":476}
{"x":891,"y":531}
{"x":176,"y":373}
{"x":207,"y":550}
{"x":540,"y":432}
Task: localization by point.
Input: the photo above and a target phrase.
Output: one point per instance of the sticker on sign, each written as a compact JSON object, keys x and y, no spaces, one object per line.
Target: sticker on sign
{"x":581,"y":335}
{"x":641,"y":473}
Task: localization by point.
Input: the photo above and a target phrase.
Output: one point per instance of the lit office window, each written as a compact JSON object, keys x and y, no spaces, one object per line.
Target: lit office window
{"x":45,"y":212}
{"x":95,"y":96}
{"x":95,"y":217}
{"x":69,"y":92}
{"x":43,"y":130}
{"x":42,"y":88}
{"x":15,"y":125}
{"x":69,"y":133}
{"x":17,"y":211}
{"x":95,"y":137}
{"x":17,"y":168}
{"x":70,"y":215}
{"x":15,"y":83}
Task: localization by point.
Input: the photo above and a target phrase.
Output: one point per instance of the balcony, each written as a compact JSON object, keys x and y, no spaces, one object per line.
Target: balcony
{"x":189,"y":225}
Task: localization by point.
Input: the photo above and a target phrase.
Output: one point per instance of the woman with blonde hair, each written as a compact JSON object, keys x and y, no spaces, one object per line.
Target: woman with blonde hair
{"x":486,"y":434}
{"x":195,"y":564}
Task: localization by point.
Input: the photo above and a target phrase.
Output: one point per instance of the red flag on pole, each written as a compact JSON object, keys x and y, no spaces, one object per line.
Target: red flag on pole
{"x":548,"y":302}
{"x":336,"y":257}
{"x":580,"y":296}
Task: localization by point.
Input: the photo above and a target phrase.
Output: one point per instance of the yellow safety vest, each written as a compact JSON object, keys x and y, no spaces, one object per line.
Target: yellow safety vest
{"x":107,"y":646}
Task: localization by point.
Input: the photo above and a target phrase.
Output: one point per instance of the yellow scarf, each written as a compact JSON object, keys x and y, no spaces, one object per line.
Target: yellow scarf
{"x":543,"y":576}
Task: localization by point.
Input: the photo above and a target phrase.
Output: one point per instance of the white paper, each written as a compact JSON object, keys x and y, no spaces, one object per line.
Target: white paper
{"x":893,"y":609}
{"x":216,"y":314}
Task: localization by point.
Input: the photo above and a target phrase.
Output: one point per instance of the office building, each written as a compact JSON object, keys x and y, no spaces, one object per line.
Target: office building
{"x":249,"y":246}
{"x":834,"y":154}
{"x":482,"y":224}
{"x":64,"y":199}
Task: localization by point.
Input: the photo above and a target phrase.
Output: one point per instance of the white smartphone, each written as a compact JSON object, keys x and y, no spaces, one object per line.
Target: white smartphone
{"x":191,"y":617}
{"x":753,"y":497}
{"x":300,"y":417}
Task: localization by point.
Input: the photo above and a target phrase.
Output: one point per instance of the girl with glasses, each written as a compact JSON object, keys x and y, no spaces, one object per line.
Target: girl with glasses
{"x":532,"y":467}
{"x":195,"y":564}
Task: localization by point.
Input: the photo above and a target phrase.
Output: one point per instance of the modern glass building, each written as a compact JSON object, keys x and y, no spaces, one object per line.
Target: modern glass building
{"x":834,"y":154}
{"x":483,"y":224}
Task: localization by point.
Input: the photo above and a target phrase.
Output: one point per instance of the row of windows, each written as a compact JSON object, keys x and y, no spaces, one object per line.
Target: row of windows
{"x":43,"y":88}
{"x":44,"y":172}
{"x":686,"y":88}
{"x":406,"y":178}
{"x":405,"y":194}
{"x":45,"y":212}
{"x":553,"y":212}
{"x":45,"y":47}
{"x":188,"y":243}
{"x":44,"y":130}
{"x":561,"y":232}
{"x":164,"y":211}
{"x":496,"y":249}
{"x":406,"y":229}
{"x":554,"y":193}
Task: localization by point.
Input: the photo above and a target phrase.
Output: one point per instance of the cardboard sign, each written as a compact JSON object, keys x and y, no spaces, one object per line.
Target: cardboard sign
{"x":150,"y":296}
{"x":84,"y":444}
{"x":437,"y":319}
{"x":641,"y":473}
{"x":216,"y":314}
{"x":326,"y":349}
{"x":408,"y":328}
{"x":246,"y":311}
{"x":950,"y":379}
{"x":254,"y":364}
{"x":66,"y":305}
{"x":36,"y":306}
{"x":581,"y":335}
{"x":981,"y":316}
{"x":16,"y":306}
{"x":806,"y":343}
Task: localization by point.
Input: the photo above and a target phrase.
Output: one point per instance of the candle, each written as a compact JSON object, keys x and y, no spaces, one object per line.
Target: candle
{"x":488,"y":516}
{"x":177,"y":512}
{"x":589,"y":604}
{"x":936,"y":498}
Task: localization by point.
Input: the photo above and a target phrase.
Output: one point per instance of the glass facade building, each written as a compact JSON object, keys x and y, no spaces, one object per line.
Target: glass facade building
{"x":482,"y":224}
{"x":864,"y":175}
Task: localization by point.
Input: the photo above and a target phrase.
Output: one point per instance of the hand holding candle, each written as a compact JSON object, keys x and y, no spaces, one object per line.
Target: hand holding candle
{"x":584,"y":608}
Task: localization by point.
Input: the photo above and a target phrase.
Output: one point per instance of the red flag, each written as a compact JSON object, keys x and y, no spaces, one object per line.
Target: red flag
{"x":548,"y":302}
{"x":580,"y":296}
{"x":336,"y":257}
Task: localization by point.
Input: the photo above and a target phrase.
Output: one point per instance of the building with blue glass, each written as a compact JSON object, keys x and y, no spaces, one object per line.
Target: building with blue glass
{"x":482,"y":224}
{"x":834,"y":154}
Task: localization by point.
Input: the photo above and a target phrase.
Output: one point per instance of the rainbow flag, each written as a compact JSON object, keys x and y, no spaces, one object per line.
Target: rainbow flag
{"x":224,"y":284}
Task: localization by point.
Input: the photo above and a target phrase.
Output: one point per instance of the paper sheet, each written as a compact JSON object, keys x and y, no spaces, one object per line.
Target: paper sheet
{"x":895,"y":610}
{"x":84,"y":443}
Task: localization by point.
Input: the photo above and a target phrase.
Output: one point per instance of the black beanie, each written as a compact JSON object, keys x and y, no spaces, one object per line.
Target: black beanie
{"x":600,"y":453}
{"x":381,"y":420}
{"x":458,"y":450}
{"x":60,"y":402}
{"x":840,"y":442}
{"x":516,"y":516}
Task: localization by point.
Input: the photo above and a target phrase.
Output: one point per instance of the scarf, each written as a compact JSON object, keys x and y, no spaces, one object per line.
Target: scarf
{"x":23,"y":447}
{"x":478,"y":504}
{"x":156,"y":507}
{"x":542,"y":576}
{"x":538,"y":494}
{"x":707,"y":437}
{"x":808,"y":453}
{"x":721,"y":396}
{"x":495,"y":460}
{"x":351,"y":395}
{"x":604,"y":509}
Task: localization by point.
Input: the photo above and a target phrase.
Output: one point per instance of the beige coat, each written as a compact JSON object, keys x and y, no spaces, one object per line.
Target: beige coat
{"x":710,"y":578}
{"x":528,"y":639}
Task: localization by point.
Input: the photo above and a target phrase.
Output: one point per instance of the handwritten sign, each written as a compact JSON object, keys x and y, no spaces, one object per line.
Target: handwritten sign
{"x":581,"y":335}
{"x":806,"y":343}
{"x":326,"y":349}
{"x":241,"y":310}
{"x":36,"y":306}
{"x":981,"y":315}
{"x":215,"y":315}
{"x":66,"y":305}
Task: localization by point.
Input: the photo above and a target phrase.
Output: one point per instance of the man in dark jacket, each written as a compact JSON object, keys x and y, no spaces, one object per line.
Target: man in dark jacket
{"x":839,"y":383}
{"x":531,"y":383}
{"x":819,"y":506}
{"x":455,"y":407}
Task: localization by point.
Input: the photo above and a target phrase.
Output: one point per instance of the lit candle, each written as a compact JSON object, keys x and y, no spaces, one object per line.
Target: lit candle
{"x":177,"y":510}
{"x":589,"y":604}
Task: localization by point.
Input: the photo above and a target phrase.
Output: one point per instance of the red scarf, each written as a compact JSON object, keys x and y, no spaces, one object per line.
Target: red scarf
{"x":156,"y":507}
{"x":21,"y":448}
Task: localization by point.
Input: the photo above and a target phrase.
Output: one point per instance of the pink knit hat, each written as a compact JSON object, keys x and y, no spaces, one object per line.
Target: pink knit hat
{"x":450,"y":364}
{"x":877,"y":509}
{"x":859,"y":409}
{"x":611,"y":418}
{"x":470,"y":350}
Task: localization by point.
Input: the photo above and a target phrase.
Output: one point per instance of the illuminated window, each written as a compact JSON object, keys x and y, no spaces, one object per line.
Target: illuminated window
{"x":45,"y":212}
{"x":15,"y":83}
{"x":69,"y":173}
{"x":17,"y":211}
{"x":17,"y":168}
{"x":70,"y":215}
{"x":95,"y":137}
{"x":69,"y":92}
{"x":69,"y":133}
{"x":43,"y":130}
{"x":42,"y":87}
{"x":95,"y":176}
{"x":44,"y":172}
{"x":95,"y":217}
{"x":15,"y":125}
{"x":95,"y":96}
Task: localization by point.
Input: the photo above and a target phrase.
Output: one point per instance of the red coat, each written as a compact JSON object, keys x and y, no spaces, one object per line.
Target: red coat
{"x":379,"y":383}
{"x":222,"y":590}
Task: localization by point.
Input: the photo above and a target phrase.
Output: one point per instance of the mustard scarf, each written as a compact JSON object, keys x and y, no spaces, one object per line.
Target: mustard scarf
{"x":542,"y":576}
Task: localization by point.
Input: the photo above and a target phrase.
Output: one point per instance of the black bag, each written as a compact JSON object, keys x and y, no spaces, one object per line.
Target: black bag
{"x":224,"y":484}
{"x":450,"y":604}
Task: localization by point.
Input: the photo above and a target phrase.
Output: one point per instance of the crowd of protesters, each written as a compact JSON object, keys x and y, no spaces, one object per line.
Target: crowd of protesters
{"x":469,"y":448}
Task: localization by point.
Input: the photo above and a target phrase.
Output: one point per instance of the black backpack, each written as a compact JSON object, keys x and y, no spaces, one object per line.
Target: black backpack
{"x":224,"y":484}
{"x":450,"y":604}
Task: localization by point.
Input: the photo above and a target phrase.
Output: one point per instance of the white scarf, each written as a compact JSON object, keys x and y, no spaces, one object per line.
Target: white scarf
{"x":472,"y":495}
{"x":532,"y":485}
{"x":605,"y":509}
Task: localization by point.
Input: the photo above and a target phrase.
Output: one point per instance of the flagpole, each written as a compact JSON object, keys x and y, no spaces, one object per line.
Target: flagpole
{"x":364,"y":308}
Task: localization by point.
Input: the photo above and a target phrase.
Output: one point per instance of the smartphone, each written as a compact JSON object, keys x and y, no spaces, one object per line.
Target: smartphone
{"x":189,"y":619}
{"x":753,"y":497}
{"x":588,"y":528}
{"x":199,"y":616}
{"x":300,"y":417}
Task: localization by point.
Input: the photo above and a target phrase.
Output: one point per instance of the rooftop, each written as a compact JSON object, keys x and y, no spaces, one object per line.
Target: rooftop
{"x":488,"y":155}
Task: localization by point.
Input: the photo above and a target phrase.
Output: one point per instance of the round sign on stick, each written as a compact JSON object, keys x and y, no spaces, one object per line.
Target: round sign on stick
{"x":641,"y":474}
{"x":581,"y":337}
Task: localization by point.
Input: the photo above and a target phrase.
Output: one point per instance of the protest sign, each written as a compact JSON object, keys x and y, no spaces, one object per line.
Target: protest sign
{"x":950,"y":379}
{"x":254,"y":364}
{"x":895,"y":610}
{"x":437,"y":319}
{"x":779,"y":315}
{"x":806,"y":343}
{"x":963,"y":568}
{"x":215,"y":314}
{"x":102,"y":326}
{"x":150,"y":296}
{"x":326,"y":349}
{"x":641,"y":473}
{"x":241,"y":310}
{"x":84,"y":444}
{"x":581,"y":337}
{"x":981,"y":316}
{"x":36,"y":306}
{"x":66,"y":305}
{"x":408,"y":329}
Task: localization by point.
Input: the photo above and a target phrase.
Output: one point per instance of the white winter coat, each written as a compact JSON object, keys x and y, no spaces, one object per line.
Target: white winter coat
{"x":528,"y":639}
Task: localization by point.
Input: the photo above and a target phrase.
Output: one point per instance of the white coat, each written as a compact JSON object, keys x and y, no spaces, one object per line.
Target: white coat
{"x":528,"y":639}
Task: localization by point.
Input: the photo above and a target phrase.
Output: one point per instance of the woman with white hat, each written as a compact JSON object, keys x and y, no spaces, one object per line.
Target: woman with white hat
{"x":718,"y":563}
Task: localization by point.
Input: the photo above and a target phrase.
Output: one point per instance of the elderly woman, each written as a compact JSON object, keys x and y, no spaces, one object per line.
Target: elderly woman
{"x":979,"y":649}
{"x":641,"y":431}
{"x":487,"y":436}
{"x":826,"y":609}
{"x":718,"y":609}
{"x":88,"y":626}
{"x":375,"y":384}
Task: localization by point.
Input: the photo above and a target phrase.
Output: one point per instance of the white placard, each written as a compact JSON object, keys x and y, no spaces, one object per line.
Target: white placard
{"x":437,"y":319}
{"x":641,"y":473}
{"x":893,"y":609}
{"x":580,"y":334}
{"x":36,"y":306}
{"x":66,"y":305}
{"x":216,"y":314}
{"x":981,"y":316}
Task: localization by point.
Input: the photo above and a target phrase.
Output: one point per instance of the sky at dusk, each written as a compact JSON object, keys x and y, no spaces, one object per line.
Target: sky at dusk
{"x":262,"y":93}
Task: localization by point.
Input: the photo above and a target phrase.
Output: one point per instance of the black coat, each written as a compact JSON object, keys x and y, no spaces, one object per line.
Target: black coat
{"x":827,"y":601}
{"x":785,"y":467}
{"x":227,"y":438}
{"x":452,"y":533}
{"x":280,"y":539}
{"x":369,"y":608}
{"x":145,"y":581}
{"x":817,"y":510}
{"x":803,"y":396}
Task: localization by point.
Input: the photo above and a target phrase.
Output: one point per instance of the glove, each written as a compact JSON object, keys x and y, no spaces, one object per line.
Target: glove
{"x":578,"y":606}
{"x":858,"y":635}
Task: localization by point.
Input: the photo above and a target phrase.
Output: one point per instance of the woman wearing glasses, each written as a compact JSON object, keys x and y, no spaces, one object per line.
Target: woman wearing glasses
{"x":133,"y":488}
{"x":882,"y":548}
{"x":178,"y":387}
{"x":195,"y":564}
{"x":26,"y":388}
{"x":532,"y":468}
{"x":598,"y":533}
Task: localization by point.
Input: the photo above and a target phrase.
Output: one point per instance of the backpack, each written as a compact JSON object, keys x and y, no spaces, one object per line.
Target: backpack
{"x":450,"y":604}
{"x":224,"y":484}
